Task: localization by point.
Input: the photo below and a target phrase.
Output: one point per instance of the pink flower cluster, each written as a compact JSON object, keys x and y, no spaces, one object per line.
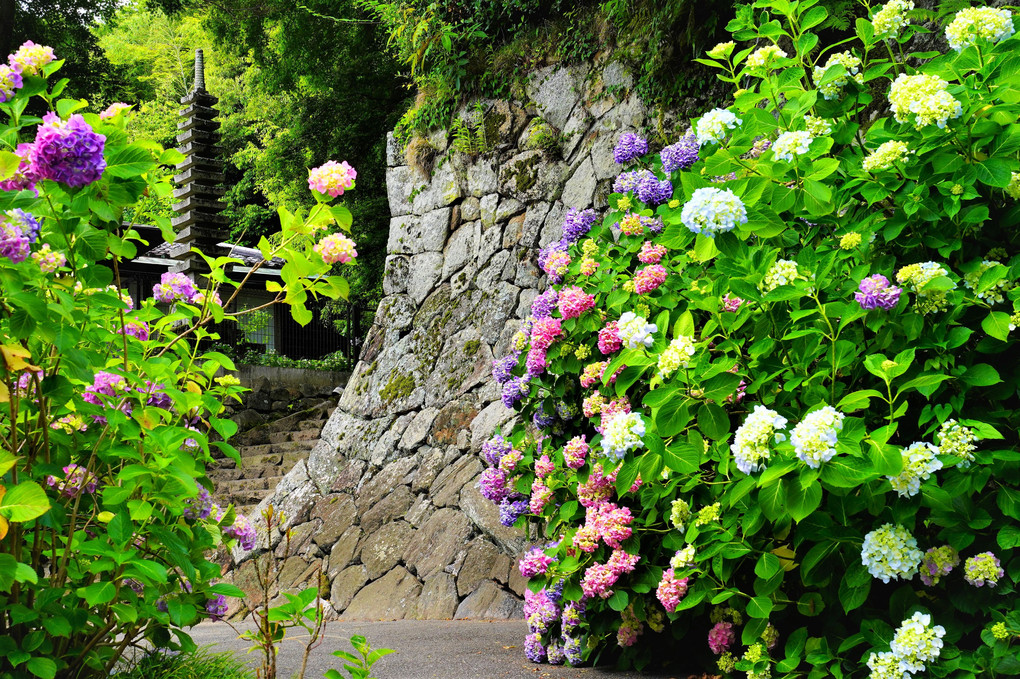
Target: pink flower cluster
{"x":651,"y":253}
{"x":135,"y":328}
{"x":25,"y":176}
{"x":631,"y":224}
{"x":609,"y":338}
{"x":609,"y":523}
{"x":332,"y":178}
{"x":731,"y":304}
{"x":544,"y":466}
{"x":544,"y":332}
{"x":592,"y":405}
{"x":535,"y":562}
{"x":649,"y":278}
{"x":574,"y":301}
{"x":588,"y":266}
{"x":540,"y":496}
{"x":575,"y":451}
{"x":671,"y":590}
{"x":592,"y":373}
{"x":599,"y":578}
{"x":630,"y":628}
{"x":336,"y":247}
{"x":721,"y":637}
{"x":556,"y":264}
{"x":76,"y":480}
{"x":173,"y":287}
{"x":597,"y":489}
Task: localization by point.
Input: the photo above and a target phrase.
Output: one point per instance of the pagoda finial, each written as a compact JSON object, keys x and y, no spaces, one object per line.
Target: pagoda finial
{"x":199,"y":71}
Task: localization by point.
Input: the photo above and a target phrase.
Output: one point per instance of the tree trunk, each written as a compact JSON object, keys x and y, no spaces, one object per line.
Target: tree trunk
{"x":6,"y":26}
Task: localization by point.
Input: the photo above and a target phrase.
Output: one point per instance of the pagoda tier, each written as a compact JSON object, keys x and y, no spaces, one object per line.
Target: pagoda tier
{"x":199,"y":222}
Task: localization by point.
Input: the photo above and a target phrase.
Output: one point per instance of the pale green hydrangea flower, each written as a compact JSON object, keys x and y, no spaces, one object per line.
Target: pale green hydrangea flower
{"x":833,"y":88}
{"x":890,"y":552}
{"x":789,"y":145}
{"x":783,"y":272}
{"x":764,"y":57}
{"x":922,"y":100}
{"x":814,"y":438}
{"x":974,"y":24}
{"x":714,"y":126}
{"x":919,"y":463}
{"x":679,"y":513}
{"x":817,"y":127}
{"x":917,"y":642}
{"x":886,"y":156}
{"x":1013,"y":188}
{"x":750,"y":445}
{"x":678,"y":354}
{"x":957,"y":440}
{"x":994,"y":294}
{"x":916,"y":276}
{"x":891,"y":18}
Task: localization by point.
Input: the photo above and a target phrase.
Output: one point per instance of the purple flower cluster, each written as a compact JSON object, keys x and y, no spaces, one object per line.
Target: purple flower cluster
{"x":514,"y":390}
{"x":875,"y":292}
{"x":76,"y":480}
{"x":629,"y":147}
{"x":681,"y":155}
{"x":502,"y":367}
{"x":25,"y":176}
{"x":578,"y":223}
{"x":511,"y":509}
{"x":492,"y":485}
{"x":533,"y":648}
{"x":652,"y":191}
{"x":543,"y":305}
{"x":104,"y":384}
{"x":494,"y":449}
{"x":201,"y":506}
{"x":628,"y":181}
{"x":69,"y":152}
{"x":10,"y":80}
{"x":18,"y":230}
{"x":242,"y":531}
{"x":216,"y":607}
{"x":173,"y":287}
{"x":540,"y":609}
{"x":542,"y":420}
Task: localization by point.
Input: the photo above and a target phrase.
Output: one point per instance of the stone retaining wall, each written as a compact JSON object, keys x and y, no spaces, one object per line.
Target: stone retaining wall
{"x":387,"y":503}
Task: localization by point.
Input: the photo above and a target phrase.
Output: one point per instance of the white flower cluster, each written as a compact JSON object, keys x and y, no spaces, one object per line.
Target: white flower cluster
{"x":750,"y":446}
{"x":711,"y":211}
{"x":890,"y":552}
{"x":994,"y":294}
{"x":834,"y":87}
{"x":916,"y":276}
{"x":925,"y":97}
{"x":677,"y":354}
{"x":683,"y":558}
{"x":917,"y":642}
{"x":957,"y":440}
{"x":891,"y":18}
{"x":974,"y":24}
{"x":622,"y":433}
{"x":814,"y":438}
{"x":714,"y":126}
{"x":919,"y":462}
{"x":818,"y":127}
{"x":636,"y":331}
{"x":885,"y":156}
{"x":1013,"y":188}
{"x":764,"y":57}
{"x":679,"y":513}
{"x":783,"y":272}
{"x":788,"y":145}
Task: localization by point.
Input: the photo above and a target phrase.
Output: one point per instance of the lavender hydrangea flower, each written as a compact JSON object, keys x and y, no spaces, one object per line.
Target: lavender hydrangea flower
{"x":494,"y":449}
{"x":14,"y":245}
{"x":628,"y":181}
{"x":652,"y":191}
{"x":25,"y":176}
{"x":513,"y":391}
{"x":541,"y":420}
{"x":68,"y":152}
{"x":875,"y":292}
{"x":577,"y":223}
{"x":77,"y":480}
{"x":25,"y":221}
{"x":199,"y":507}
{"x":629,"y":147}
{"x":173,"y":287}
{"x":10,"y":80}
{"x":544,"y":304}
{"x":511,"y":510}
{"x":502,"y":367}
{"x":216,"y":607}
{"x":572,"y":650}
{"x":492,"y":485}
{"x":681,"y":155}
{"x":242,"y":531}
{"x":533,"y":648}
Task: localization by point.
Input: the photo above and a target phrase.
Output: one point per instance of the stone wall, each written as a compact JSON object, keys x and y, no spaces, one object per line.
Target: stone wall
{"x":387,"y":503}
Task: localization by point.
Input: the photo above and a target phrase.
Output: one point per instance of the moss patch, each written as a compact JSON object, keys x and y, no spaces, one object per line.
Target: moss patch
{"x":524,"y":173}
{"x":471,"y":347}
{"x":399,"y":386}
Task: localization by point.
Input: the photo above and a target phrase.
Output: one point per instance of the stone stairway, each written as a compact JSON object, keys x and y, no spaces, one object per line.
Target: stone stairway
{"x":268,"y":451}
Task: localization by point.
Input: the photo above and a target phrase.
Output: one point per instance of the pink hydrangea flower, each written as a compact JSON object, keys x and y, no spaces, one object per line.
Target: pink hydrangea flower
{"x":332,"y":178}
{"x":651,"y":253}
{"x":31,"y":58}
{"x":540,"y":496}
{"x":586,"y":539}
{"x":592,"y":373}
{"x":721,"y":636}
{"x":114,"y":110}
{"x":336,"y":247}
{"x":544,"y":466}
{"x":48,"y":260}
{"x":588,"y":266}
{"x":609,"y":338}
{"x":534,"y":562}
{"x":135,"y":328}
{"x":610,"y":522}
{"x":731,"y":304}
{"x":25,"y":176}
{"x":545,"y":331}
{"x":10,"y":81}
{"x":596,"y":490}
{"x":649,"y":278}
{"x":598,"y":581}
{"x":592,"y":405}
{"x":575,"y":451}
{"x":535,"y":362}
{"x":671,"y":590}
{"x":621,"y":562}
{"x":556,"y":265}
{"x":574,"y":301}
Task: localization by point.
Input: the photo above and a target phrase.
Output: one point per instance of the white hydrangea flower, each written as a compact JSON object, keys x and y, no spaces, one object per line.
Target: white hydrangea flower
{"x":711,"y":211}
{"x":917,"y":642}
{"x":677,"y":354}
{"x":814,"y":438}
{"x":919,"y":462}
{"x":791,"y":144}
{"x":994,"y":294}
{"x":783,"y":272}
{"x":750,"y":445}
{"x":722,"y":50}
{"x":833,"y":88}
{"x":818,"y":127}
{"x":764,"y":57}
{"x":916,"y":276}
{"x":1013,"y":188}
{"x":891,"y":18}
{"x":957,"y":440}
{"x":683,"y":558}
{"x":924,"y":97}
{"x":679,"y":513}
{"x":886,"y":156}
{"x":714,"y":126}
{"x":636,"y":331}
{"x":622,"y":433}
{"x":890,"y":552}
{"x":887,"y":665}
{"x":974,"y":24}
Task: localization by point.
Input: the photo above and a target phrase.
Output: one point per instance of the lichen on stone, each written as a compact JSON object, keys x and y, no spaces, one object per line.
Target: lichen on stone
{"x":399,"y":386}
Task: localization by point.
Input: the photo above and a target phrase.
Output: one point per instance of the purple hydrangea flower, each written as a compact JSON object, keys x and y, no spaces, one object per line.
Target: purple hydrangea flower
{"x":14,"y":245}
{"x":554,"y":653}
{"x":876,"y":292}
{"x":494,"y":449}
{"x":242,"y":531}
{"x":216,"y":607}
{"x":26,"y":222}
{"x":68,"y":152}
{"x":135,"y":586}
{"x":681,"y":155}
{"x":511,"y":510}
{"x":541,"y":420}
{"x":173,"y":287}
{"x":540,"y":610}
{"x":628,"y":181}
{"x":76,"y":480}
{"x":578,"y":223}
{"x":652,"y":191}
{"x":572,"y":650}
{"x":502,"y":367}
{"x":983,"y":569}
{"x":513,"y":391}
{"x":629,"y":147}
{"x":10,"y":80}
{"x":199,"y":507}
{"x":544,"y":304}
{"x":492,"y":485}
{"x":573,"y":615}
{"x":533,"y":647}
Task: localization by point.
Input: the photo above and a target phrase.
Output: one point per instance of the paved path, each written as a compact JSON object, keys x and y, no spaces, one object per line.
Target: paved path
{"x":429,"y":649}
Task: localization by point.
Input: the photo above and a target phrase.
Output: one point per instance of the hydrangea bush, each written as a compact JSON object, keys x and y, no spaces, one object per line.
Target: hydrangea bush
{"x":110,"y":412}
{"x":793,"y":445}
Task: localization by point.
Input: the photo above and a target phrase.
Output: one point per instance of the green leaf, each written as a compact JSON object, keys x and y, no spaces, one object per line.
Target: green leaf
{"x":226,"y":589}
{"x":713,"y":421}
{"x":773,"y":500}
{"x":759,"y":607}
{"x":44,"y":668}
{"x":130,"y":161}
{"x":996,"y":324}
{"x":619,"y":600}
{"x":767,"y":566}
{"x":858,"y":400}
{"x":120,"y":529}
{"x":811,"y":604}
{"x":99,"y":593}
{"x":981,"y":375}
{"x":24,"y":502}
{"x":801,"y":502}
{"x":9,"y":164}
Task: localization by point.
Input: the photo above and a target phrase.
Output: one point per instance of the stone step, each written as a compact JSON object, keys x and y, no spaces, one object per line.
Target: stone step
{"x":293,"y":447}
{"x":305,"y":435}
{"x":311,"y":424}
{"x":255,"y":451}
{"x":218,"y":476}
{"x":250,"y":461}
{"x":279,"y":437}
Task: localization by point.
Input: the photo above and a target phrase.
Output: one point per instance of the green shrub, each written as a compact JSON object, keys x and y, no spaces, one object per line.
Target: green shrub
{"x":199,"y":664}
{"x":774,"y":403}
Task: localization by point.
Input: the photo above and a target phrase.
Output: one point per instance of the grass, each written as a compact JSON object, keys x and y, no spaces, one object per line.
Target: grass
{"x":202,"y":664}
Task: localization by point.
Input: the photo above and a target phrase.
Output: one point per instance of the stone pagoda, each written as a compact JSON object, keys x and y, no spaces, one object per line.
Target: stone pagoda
{"x":199,"y":222}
